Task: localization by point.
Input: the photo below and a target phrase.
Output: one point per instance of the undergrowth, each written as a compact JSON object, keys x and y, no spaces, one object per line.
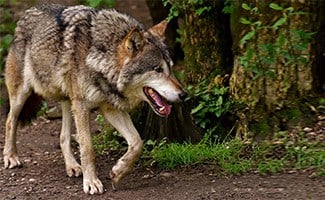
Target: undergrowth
{"x":287,"y":151}
{"x":284,"y":152}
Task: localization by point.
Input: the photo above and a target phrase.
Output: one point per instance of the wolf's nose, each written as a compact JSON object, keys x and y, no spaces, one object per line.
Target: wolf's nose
{"x":182,"y":95}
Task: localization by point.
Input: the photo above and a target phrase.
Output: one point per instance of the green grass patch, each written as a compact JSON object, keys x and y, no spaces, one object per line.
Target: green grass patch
{"x":236,"y":157}
{"x":285,"y":151}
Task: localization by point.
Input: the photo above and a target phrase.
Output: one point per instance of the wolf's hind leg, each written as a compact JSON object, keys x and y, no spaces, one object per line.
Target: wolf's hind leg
{"x":17,"y":101}
{"x":122,"y":122}
{"x":72,"y":166}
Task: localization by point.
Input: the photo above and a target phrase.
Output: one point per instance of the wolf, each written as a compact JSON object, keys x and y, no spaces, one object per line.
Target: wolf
{"x":88,"y":59}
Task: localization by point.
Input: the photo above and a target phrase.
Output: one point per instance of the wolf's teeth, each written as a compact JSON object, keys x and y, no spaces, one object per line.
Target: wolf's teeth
{"x":150,"y":91}
{"x":162,"y":108}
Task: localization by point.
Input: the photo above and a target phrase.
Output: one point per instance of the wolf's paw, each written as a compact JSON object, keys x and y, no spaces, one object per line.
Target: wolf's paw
{"x":11,"y":161}
{"x":93,"y":186}
{"x":119,"y":171}
{"x":74,"y":170}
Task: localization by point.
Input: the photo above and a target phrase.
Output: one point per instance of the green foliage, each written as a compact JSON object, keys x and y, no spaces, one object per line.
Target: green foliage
{"x":212,"y":103}
{"x":290,"y":45}
{"x":108,"y":139}
{"x":99,"y":3}
{"x":179,"y":7}
{"x":270,"y":165}
{"x":44,"y":109}
{"x":228,"y":7}
{"x":322,"y":101}
{"x":7,"y":28}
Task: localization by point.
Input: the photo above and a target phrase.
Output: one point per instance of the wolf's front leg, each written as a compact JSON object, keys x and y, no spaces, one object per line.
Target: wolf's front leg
{"x":91,"y":183}
{"x":122,"y":122}
{"x":72,"y":166}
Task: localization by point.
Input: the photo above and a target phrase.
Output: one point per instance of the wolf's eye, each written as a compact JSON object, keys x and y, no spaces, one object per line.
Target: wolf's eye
{"x":158,"y":69}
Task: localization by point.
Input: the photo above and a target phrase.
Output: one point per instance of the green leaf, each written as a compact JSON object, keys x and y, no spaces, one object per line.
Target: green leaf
{"x":165,"y":3}
{"x":228,"y":7}
{"x":298,"y":13}
{"x":94,"y":3}
{"x":219,"y":101}
{"x":280,"y":22}
{"x":245,"y":21}
{"x":281,"y":40}
{"x":6,"y":40}
{"x":249,"y":54}
{"x":199,"y":11}
{"x":275,"y":6}
{"x":172,"y":13}
{"x":303,"y":60}
{"x":205,"y":97}
{"x":246,"y":7}
{"x":255,"y":9}
{"x":198,"y":108}
{"x":257,"y":23}
{"x":290,"y":9}
{"x":247,"y":37}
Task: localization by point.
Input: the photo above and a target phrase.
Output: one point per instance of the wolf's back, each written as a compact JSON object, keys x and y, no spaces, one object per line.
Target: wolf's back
{"x":53,"y":37}
{"x":55,"y":34}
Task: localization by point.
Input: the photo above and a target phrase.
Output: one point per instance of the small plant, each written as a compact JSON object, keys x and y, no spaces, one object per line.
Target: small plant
{"x":179,"y":7}
{"x":44,"y":109}
{"x":7,"y":27}
{"x":99,"y":3}
{"x":290,"y":45}
{"x":228,"y":7}
{"x":212,"y":103}
{"x":107,"y":139}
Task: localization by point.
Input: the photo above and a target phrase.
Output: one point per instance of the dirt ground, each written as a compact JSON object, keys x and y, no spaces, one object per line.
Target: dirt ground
{"x":43,"y":173}
{"x":43,"y":176}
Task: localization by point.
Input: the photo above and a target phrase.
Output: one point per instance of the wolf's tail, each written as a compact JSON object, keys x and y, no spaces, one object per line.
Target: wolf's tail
{"x":31,"y":107}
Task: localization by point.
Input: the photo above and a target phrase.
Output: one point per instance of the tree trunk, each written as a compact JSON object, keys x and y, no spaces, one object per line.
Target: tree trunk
{"x":158,"y":13}
{"x":207,"y":41}
{"x":319,"y":47}
{"x":271,"y":77}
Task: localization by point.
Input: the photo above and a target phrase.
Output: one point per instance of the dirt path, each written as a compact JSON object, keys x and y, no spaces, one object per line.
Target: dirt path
{"x":43,"y":174}
{"x":43,"y":177}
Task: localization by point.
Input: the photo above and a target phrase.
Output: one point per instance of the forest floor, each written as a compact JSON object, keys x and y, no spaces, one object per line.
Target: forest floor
{"x":43,"y":173}
{"x":43,"y":176}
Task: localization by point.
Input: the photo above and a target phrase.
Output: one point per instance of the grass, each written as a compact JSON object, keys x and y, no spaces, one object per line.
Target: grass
{"x":236,"y":157}
{"x":286,"y":151}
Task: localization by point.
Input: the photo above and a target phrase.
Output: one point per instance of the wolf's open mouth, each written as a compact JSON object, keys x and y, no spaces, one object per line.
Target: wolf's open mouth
{"x":157,"y":102}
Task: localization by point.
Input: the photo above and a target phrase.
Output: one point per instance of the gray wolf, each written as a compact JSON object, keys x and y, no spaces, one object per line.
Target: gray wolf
{"x":88,"y":59}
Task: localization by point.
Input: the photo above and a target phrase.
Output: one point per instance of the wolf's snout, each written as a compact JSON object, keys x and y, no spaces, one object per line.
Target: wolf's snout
{"x":182,"y":95}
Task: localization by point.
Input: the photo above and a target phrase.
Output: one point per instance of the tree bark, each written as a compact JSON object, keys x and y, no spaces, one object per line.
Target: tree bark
{"x":270,"y":103}
{"x":319,"y":47}
{"x":207,"y":41}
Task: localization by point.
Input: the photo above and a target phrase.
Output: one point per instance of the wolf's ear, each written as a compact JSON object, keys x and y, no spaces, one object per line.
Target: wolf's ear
{"x":159,"y":29}
{"x":133,"y":42}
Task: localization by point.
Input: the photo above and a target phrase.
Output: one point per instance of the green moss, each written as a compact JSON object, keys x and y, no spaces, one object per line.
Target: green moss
{"x":260,"y":129}
{"x":291,"y":114}
{"x":321,"y":101}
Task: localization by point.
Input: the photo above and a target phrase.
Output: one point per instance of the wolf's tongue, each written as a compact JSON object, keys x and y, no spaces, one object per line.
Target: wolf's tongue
{"x":164,"y":107}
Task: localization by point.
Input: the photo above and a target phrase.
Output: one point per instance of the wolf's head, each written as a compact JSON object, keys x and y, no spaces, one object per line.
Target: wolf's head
{"x":146,"y":69}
